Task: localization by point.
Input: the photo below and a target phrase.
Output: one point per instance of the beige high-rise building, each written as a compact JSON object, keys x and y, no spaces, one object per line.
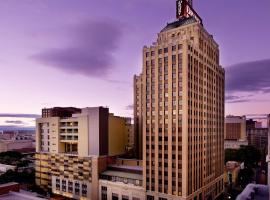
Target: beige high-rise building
{"x":179,"y":111}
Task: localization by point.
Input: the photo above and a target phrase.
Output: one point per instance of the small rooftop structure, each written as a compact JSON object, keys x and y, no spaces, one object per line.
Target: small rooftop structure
{"x":178,"y":23}
{"x":123,"y":173}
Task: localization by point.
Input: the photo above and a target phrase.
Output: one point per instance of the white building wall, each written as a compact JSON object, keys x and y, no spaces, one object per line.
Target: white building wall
{"x":131,"y":191}
{"x":72,"y":194}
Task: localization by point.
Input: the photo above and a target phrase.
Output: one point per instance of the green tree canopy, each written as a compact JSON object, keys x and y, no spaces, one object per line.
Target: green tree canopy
{"x":247,"y":154}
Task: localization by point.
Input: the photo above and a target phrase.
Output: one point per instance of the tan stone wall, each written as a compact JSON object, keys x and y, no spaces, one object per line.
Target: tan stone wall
{"x":117,"y":135}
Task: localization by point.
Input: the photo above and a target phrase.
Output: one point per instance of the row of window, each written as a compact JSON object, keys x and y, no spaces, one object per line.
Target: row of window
{"x":164,"y":50}
{"x":69,"y":188}
{"x":104,"y":195}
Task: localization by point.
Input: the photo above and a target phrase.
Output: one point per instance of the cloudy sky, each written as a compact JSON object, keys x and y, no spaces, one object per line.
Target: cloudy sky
{"x":85,"y":53}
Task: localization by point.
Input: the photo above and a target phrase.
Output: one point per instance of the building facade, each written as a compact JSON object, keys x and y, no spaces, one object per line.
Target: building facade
{"x":73,"y":148}
{"x":16,"y":145}
{"x":138,"y":110}
{"x":235,"y":128}
{"x":231,"y":172}
{"x":179,"y":107}
{"x":258,"y":137}
{"x":121,"y":135}
{"x":130,"y":139}
{"x":235,"y":144}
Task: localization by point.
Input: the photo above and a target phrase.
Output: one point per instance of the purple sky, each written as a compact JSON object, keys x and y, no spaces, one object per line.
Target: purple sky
{"x":85,"y":53}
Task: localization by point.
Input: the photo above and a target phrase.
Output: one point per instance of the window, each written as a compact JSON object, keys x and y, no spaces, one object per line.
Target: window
{"x":114,"y":196}
{"x":77,"y":188}
{"x":103,"y":196}
{"x":70,"y":187}
{"x":149,"y":197}
{"x":84,"y":190}
{"x":103,"y":193}
{"x":58,"y":184}
{"x":165,"y":50}
{"x":124,"y":197}
{"x":64,"y":188}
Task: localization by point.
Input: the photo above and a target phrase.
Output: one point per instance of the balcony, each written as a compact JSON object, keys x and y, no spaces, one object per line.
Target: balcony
{"x":69,"y":130}
{"x":67,"y":138}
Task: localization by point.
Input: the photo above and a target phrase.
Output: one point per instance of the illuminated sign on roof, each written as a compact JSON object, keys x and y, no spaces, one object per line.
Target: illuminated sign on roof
{"x":184,"y":10}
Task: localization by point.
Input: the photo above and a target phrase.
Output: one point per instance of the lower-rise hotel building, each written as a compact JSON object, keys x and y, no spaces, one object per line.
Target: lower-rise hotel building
{"x":74,"y":146}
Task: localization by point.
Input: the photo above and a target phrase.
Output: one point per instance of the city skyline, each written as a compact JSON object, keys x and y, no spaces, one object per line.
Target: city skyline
{"x":61,"y":57}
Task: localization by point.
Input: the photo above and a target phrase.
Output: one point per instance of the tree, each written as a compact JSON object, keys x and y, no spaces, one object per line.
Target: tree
{"x":247,"y":154}
{"x":230,"y":155}
{"x":20,"y":177}
{"x":245,"y":177}
{"x":11,"y":154}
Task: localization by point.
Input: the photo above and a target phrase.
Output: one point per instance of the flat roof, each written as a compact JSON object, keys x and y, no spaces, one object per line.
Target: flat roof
{"x":137,"y":168}
{"x":17,"y":195}
{"x":8,"y":184}
{"x":123,"y":175}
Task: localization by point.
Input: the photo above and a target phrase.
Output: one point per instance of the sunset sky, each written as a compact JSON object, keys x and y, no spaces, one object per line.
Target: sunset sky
{"x":85,"y":52}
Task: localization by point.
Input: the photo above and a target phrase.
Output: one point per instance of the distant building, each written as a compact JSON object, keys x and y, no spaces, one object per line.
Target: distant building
{"x":4,"y":168}
{"x":231,"y":172}
{"x":17,"y":135}
{"x":235,"y":128}
{"x":250,"y":124}
{"x":258,"y":124}
{"x":16,"y":145}
{"x":234,"y":144}
{"x":11,"y":191}
{"x":258,"y":137}
{"x":73,"y":148}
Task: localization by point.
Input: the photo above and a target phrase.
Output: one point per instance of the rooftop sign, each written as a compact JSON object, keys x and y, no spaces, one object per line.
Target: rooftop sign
{"x":184,"y":10}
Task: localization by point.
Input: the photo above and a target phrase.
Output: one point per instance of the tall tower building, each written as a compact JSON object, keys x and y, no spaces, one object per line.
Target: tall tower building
{"x":179,"y":111}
